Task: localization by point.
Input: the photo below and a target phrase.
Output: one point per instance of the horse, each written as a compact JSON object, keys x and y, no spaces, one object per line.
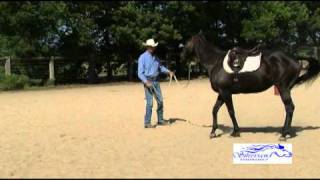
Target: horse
{"x":276,"y":69}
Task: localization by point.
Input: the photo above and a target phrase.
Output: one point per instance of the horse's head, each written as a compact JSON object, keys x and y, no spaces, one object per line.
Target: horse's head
{"x":188,"y":53}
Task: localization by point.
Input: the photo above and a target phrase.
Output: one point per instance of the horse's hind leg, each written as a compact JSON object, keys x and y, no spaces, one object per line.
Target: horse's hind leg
{"x":227,"y":98}
{"x":289,"y":106}
{"x":215,"y":110}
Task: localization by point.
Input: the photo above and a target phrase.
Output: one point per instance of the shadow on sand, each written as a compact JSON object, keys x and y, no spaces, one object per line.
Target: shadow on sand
{"x":173,"y":120}
{"x":268,"y":129}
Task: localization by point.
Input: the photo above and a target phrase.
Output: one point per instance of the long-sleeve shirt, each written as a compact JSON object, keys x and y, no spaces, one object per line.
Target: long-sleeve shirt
{"x":149,"y":66}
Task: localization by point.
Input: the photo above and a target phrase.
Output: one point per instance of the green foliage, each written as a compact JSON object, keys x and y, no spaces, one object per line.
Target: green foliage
{"x":50,"y":82}
{"x":30,"y":28}
{"x":35,"y":82}
{"x":12,"y":82}
{"x":100,"y":32}
{"x":82,"y":28}
{"x":275,"y":21}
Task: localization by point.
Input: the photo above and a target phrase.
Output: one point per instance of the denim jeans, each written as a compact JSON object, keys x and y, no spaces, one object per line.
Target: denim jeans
{"x":156,"y":92}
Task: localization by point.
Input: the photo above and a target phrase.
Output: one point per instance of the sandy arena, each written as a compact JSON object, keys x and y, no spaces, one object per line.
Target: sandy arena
{"x":97,"y":131}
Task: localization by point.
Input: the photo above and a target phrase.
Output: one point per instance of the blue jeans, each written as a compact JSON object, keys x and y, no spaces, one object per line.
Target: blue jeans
{"x":156,"y":92}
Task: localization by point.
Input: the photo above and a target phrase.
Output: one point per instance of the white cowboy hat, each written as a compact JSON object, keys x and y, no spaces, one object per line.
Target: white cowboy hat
{"x":150,"y":42}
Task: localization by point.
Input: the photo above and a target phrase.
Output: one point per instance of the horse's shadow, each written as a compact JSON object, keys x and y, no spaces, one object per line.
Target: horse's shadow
{"x":268,"y":129}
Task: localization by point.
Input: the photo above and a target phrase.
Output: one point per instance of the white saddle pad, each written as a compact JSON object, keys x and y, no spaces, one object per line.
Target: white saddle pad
{"x":252,"y":63}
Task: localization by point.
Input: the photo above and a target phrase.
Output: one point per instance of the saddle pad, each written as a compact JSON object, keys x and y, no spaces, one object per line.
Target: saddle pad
{"x":252,"y":63}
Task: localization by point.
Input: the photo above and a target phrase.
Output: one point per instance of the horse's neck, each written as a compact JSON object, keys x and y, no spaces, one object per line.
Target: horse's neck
{"x":210,"y":57}
{"x":209,"y":68}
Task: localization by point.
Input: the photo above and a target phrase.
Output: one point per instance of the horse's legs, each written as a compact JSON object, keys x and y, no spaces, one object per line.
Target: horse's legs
{"x":217,"y":106}
{"x":289,"y":106}
{"x":228,"y":100}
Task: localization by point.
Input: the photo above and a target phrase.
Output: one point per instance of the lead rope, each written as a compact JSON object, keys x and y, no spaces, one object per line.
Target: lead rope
{"x":175,"y":78}
{"x":177,"y":82}
{"x":197,"y":125}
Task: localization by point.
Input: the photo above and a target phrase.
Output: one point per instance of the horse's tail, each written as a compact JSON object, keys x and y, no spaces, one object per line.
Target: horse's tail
{"x":312,"y":71}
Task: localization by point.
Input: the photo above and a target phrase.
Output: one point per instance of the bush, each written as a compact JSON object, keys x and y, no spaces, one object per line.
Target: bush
{"x":13,"y":81}
{"x":35,"y":82}
{"x":50,"y":82}
{"x":2,"y":73}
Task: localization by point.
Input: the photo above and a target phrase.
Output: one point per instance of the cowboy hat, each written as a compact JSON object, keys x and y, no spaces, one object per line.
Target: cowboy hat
{"x":150,"y":42}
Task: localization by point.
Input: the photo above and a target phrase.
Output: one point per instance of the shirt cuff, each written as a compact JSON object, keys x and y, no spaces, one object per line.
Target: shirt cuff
{"x":165,"y":70}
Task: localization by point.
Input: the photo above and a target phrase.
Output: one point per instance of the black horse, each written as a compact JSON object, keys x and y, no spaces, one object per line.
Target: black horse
{"x":276,"y":68}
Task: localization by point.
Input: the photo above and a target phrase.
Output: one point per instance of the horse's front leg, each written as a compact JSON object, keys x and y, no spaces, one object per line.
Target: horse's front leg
{"x":227,"y":98}
{"x":289,"y":106}
{"x":217,"y":106}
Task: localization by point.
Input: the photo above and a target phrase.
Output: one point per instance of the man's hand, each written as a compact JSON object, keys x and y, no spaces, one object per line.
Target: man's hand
{"x":148,"y":84}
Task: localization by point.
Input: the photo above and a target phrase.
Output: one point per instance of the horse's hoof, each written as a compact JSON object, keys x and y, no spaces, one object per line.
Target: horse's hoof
{"x":213,"y":135}
{"x":235,"y":134}
{"x":282,"y":138}
{"x":292,"y":134}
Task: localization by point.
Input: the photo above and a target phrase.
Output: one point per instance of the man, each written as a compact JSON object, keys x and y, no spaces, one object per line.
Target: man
{"x":149,"y":68}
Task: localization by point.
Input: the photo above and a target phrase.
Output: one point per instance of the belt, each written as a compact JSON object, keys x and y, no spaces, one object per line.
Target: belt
{"x":153,"y":78}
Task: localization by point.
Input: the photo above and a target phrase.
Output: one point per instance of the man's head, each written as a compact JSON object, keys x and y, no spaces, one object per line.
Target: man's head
{"x":150,"y":45}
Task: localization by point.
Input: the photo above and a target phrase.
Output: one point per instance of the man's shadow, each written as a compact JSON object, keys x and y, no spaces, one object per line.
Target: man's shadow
{"x":174,"y":120}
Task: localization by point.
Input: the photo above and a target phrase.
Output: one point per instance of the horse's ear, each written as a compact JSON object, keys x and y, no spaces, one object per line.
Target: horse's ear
{"x":200,"y":32}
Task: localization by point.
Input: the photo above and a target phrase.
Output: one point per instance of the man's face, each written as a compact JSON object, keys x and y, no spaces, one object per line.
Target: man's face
{"x":151,"y":49}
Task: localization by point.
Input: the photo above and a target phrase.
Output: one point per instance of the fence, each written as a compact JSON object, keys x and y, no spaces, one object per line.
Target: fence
{"x":63,"y":70}
{"x":46,"y":68}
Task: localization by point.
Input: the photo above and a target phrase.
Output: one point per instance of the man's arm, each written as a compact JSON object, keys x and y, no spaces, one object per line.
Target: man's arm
{"x":141,"y":69}
{"x":162,"y":68}
{"x":165,"y":70}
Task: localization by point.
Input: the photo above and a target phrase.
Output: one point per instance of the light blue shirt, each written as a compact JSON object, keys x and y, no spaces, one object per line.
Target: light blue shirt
{"x":149,"y":66}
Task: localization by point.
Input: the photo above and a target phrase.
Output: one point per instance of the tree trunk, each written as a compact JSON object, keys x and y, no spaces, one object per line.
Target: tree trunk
{"x":130,"y":69}
{"x":92,"y":76}
{"x":178,"y":66}
{"x":316,"y":53}
{"x":109,"y":70}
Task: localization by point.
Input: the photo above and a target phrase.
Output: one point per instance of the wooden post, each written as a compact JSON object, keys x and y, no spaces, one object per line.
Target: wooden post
{"x":51,"y":68}
{"x":7,"y":66}
{"x":315,"y":51}
{"x":276,"y":91}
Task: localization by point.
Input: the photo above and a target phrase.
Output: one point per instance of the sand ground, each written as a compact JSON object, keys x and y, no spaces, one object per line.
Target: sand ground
{"x":97,"y":131}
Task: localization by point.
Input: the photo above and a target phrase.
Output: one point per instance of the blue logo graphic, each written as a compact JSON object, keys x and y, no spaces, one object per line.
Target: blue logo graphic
{"x":262,"y":152}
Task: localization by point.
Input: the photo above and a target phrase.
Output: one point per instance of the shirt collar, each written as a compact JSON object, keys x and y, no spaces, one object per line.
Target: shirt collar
{"x":147,"y":52}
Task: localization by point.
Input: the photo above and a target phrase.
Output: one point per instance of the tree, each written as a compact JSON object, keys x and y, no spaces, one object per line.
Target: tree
{"x":30,"y":28}
{"x":137,"y":22}
{"x":276,"y":23}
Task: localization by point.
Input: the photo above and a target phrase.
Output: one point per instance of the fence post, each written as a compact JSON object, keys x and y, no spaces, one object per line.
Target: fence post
{"x":51,"y":69}
{"x":7,"y":66}
{"x":315,"y":51}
